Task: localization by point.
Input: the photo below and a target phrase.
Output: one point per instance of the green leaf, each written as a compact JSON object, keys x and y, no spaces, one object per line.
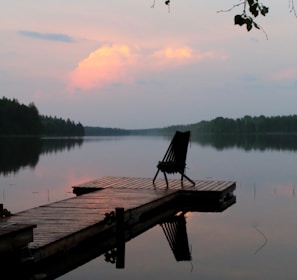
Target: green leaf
{"x":251,"y":2}
{"x":264,"y":10}
{"x":254,"y":10}
{"x":249,"y":27}
{"x":249,"y":24}
{"x":238,"y":19}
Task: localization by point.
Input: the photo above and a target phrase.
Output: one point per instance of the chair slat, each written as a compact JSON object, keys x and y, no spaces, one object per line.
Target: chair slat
{"x":174,"y":160}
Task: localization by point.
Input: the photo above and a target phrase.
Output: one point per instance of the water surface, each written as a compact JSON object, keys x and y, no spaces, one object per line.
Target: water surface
{"x":253,"y":239}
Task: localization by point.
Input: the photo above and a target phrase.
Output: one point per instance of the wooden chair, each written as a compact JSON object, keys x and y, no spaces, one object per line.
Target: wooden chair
{"x":174,"y":160}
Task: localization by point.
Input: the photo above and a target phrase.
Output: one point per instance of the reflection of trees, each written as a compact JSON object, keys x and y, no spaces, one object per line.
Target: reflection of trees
{"x":56,"y":145}
{"x":247,"y":142}
{"x":19,"y":152}
{"x":16,"y":153}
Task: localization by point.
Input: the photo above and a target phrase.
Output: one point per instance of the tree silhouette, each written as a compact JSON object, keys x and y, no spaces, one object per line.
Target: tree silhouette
{"x":19,"y":119}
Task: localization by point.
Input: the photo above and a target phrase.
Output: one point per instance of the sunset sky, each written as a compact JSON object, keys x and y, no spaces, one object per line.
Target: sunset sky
{"x":125,"y":64}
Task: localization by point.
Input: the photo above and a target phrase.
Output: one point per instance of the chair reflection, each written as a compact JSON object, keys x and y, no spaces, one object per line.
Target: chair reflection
{"x":175,"y":230}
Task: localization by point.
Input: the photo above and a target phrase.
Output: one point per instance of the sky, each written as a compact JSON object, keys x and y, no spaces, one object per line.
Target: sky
{"x":141,"y":64}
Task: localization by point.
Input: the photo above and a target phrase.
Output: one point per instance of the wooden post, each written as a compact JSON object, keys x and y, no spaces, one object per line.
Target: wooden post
{"x":120,"y":236}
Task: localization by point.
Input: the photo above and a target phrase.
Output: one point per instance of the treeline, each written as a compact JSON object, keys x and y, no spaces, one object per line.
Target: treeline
{"x":53,"y":126}
{"x":245,"y":125}
{"x":220,"y":125}
{"x":19,"y":119}
{"x":105,"y":131}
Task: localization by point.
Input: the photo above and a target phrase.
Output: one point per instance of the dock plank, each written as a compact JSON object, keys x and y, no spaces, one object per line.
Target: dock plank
{"x":60,"y":218}
{"x":64,"y":224}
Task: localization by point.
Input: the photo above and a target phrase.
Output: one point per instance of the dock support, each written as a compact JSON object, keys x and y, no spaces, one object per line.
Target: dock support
{"x":120,"y":238}
{"x":3,"y":212}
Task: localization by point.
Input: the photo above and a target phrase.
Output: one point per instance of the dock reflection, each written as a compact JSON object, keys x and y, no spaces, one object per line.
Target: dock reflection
{"x":111,"y":247}
{"x":175,"y":230}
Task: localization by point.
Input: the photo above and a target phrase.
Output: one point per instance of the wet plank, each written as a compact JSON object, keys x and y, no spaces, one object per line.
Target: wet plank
{"x":67,"y":223}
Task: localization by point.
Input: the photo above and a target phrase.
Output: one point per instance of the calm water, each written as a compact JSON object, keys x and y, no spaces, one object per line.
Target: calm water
{"x":254,"y":239}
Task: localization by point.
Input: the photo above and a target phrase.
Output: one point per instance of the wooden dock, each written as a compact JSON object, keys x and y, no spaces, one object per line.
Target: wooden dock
{"x":89,"y":220}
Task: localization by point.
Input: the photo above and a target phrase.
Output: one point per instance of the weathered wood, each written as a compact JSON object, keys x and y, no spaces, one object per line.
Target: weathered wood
{"x":64,"y":225}
{"x":14,"y":236}
{"x":120,"y":237}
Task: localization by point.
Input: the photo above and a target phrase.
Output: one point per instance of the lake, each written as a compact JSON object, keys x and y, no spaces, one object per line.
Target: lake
{"x":256,"y":238}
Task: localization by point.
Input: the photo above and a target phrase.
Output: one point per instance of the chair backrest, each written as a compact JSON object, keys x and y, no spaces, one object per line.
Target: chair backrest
{"x":175,"y":231}
{"x":177,"y":150}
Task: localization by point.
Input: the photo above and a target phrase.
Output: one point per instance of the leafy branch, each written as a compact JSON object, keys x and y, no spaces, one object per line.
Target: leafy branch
{"x":292,"y":7}
{"x":251,"y":10}
{"x":167,"y":3}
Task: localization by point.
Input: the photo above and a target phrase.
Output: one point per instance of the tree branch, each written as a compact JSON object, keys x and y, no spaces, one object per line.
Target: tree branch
{"x":232,"y":8}
{"x":251,"y":10}
{"x":292,"y":7}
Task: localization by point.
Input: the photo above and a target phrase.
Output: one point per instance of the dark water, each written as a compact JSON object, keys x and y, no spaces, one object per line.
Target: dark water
{"x":254,"y":239}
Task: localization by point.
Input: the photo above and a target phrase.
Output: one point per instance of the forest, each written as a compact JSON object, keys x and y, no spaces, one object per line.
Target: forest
{"x":244,"y":125}
{"x":104,"y":131}
{"x":21,"y":120}
{"x":53,"y":126}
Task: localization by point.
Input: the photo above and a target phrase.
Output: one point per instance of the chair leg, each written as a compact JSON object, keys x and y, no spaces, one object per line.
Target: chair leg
{"x":184,"y":175}
{"x":164,"y":176}
{"x":156,"y":176}
{"x":166,"y":179}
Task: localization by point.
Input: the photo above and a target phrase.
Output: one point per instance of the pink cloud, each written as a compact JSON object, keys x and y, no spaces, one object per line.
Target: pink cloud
{"x":171,"y":53}
{"x":185,"y":55}
{"x":121,"y":63}
{"x":105,"y":65}
{"x":288,"y":74}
